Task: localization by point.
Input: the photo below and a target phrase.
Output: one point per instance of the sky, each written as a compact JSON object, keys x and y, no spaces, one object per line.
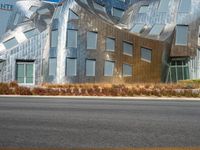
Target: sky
{"x":54,"y":0}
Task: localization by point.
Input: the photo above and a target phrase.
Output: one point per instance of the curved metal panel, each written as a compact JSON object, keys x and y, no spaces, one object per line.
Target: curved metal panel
{"x":118,"y":20}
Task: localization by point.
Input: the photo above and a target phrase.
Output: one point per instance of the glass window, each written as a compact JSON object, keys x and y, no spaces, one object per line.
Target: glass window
{"x":54,"y":38}
{"x":90,"y":67}
{"x":52,"y":66}
{"x":109,"y":68}
{"x":43,"y":11}
{"x":181,"y":35}
{"x":25,"y":72}
{"x":179,"y":70}
{"x":110,"y":44}
{"x":54,"y":25}
{"x":144,"y":9}
{"x":99,"y":6}
{"x":29,"y":73}
{"x":186,"y":73}
{"x":20,"y":73}
{"x":84,"y":1}
{"x":91,"y":40}
{"x":127,"y":70}
{"x":146,"y":54}
{"x":72,"y":38}
{"x":180,"y":73}
{"x":184,"y":6}
{"x":128,"y":48}
{"x":10,"y":43}
{"x":53,"y":52}
{"x":72,"y":15}
{"x":31,"y":33}
{"x":17,"y":16}
{"x":33,"y":8}
{"x":163,"y":6}
{"x":137,"y":28}
{"x":173,"y":74}
{"x":116,"y":12}
{"x":71,"y":67}
{"x":157,"y":29}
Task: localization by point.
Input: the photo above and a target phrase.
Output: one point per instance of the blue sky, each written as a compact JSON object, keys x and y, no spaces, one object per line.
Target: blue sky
{"x":54,"y":0}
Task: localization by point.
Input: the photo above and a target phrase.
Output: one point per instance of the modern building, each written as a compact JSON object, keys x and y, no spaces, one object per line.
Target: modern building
{"x":99,"y":41}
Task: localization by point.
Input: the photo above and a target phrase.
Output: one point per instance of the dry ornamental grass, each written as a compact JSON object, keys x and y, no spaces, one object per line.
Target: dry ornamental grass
{"x":182,"y":89}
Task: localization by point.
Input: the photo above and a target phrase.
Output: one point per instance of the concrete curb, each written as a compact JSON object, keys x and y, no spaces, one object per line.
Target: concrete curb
{"x":106,"y":98}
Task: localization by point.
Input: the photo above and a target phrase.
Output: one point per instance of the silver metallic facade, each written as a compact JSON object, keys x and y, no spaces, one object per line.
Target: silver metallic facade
{"x":99,"y":41}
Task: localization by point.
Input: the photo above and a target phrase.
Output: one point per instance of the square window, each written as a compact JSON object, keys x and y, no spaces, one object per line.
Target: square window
{"x":157,"y":29}
{"x":84,"y":1}
{"x":53,"y":52}
{"x":182,"y":35}
{"x":52,"y":66}
{"x":30,"y":33}
{"x":116,"y":12}
{"x":109,"y":68}
{"x":137,"y":28}
{"x":72,"y":38}
{"x":99,"y":7}
{"x":110,"y":44}
{"x":91,"y":40}
{"x":127,"y":70}
{"x":128,"y":48}
{"x":71,"y":67}
{"x":10,"y":43}
{"x":25,"y":72}
{"x":54,"y":38}
{"x":90,"y":67}
{"x":146,"y":54}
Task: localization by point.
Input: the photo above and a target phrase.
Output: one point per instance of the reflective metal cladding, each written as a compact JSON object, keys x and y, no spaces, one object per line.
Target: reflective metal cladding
{"x":99,"y":41}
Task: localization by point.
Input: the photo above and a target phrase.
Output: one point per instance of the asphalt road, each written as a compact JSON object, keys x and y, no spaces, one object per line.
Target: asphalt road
{"x":53,"y":122}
